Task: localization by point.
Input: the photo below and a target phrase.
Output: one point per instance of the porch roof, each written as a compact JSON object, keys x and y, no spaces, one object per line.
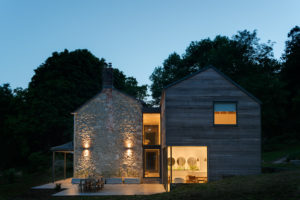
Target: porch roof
{"x":67,"y":147}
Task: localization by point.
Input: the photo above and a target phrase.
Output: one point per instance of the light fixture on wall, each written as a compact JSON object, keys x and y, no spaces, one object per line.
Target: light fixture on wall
{"x":128,"y":144}
{"x":86,"y":146}
{"x":129,"y":152}
{"x":86,"y":153}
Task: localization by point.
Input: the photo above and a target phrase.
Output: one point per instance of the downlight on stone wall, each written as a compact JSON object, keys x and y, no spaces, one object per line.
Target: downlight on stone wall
{"x":108,"y":137}
{"x":83,"y":154}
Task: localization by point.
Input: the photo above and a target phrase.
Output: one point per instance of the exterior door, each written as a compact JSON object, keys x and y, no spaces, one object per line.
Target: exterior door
{"x":152,"y":162}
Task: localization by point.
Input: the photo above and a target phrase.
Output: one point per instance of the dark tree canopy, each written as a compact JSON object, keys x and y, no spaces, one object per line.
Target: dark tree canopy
{"x":240,"y":57}
{"x":40,"y":117}
{"x":64,"y":82}
{"x":243,"y":58}
{"x":290,"y":75}
{"x":14,"y":145}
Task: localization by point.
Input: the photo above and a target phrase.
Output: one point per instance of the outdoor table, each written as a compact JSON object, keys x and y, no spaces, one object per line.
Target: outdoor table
{"x":91,"y":184}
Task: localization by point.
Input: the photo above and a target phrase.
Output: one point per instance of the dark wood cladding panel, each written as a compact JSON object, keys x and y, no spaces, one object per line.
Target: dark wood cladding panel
{"x":188,"y":118}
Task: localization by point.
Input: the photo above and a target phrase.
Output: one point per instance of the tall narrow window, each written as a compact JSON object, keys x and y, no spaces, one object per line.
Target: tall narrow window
{"x":225,"y":113}
{"x":151,"y":136}
{"x":151,"y":144}
{"x":151,"y":126}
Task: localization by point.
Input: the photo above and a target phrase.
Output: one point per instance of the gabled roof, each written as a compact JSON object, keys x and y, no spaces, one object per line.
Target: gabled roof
{"x":219,"y":72}
{"x":88,"y":101}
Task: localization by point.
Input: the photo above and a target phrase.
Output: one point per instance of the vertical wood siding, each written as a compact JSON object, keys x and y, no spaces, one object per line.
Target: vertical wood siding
{"x":187,"y":120}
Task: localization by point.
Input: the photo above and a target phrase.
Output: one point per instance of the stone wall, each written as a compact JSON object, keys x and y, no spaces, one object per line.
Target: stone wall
{"x":108,"y":136}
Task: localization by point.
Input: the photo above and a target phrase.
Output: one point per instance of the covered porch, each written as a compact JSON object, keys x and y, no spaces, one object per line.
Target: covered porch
{"x":67,"y":148}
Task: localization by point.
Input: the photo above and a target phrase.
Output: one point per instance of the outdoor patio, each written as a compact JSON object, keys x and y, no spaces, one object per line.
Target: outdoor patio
{"x":109,"y":189}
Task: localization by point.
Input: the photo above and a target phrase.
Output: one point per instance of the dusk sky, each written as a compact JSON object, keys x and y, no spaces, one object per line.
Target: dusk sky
{"x":136,"y":36}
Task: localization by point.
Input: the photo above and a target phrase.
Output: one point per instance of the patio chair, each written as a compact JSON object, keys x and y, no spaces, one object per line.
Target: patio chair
{"x":81,"y":185}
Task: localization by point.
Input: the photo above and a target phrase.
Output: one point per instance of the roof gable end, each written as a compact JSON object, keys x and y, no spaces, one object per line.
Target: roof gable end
{"x":220,"y":73}
{"x":91,"y":99}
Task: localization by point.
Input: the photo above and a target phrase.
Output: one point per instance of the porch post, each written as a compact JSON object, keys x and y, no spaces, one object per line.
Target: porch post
{"x":65,"y":165}
{"x":171,"y":166}
{"x":53,"y":166}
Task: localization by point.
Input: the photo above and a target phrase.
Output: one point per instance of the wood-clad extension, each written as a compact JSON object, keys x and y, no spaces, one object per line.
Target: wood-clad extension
{"x":187,"y":119}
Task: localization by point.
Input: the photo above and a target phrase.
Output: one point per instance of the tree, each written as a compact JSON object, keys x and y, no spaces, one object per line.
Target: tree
{"x":291,"y":66}
{"x":244,"y":59}
{"x":14,"y":143}
{"x":59,"y":86}
{"x":290,"y":75}
{"x":34,"y":119}
{"x":129,"y":85}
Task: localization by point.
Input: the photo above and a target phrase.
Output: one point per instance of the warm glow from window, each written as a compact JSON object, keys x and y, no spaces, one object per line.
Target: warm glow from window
{"x":151,"y":129}
{"x":152,"y":168}
{"x":188,"y":164}
{"x":225,"y":113}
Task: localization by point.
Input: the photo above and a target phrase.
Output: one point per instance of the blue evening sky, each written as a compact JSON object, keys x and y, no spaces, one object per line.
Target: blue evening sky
{"x":136,"y":36}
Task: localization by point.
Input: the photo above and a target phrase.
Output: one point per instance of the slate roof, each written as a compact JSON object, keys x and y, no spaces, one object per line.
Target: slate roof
{"x":64,"y":147}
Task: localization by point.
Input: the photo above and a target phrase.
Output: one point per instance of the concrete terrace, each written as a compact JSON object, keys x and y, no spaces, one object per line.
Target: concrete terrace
{"x":109,"y":189}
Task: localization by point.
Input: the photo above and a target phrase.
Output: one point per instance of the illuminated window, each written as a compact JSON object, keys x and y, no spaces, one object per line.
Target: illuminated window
{"x":151,"y":144}
{"x":151,"y":162}
{"x":151,"y":126}
{"x":187,"y":164}
{"x":225,"y":113}
{"x":151,"y":136}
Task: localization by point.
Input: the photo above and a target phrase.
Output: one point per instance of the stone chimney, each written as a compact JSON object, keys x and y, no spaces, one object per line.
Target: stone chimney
{"x":107,"y":76}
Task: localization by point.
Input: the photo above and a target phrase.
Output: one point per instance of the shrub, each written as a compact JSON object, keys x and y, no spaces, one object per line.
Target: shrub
{"x":9,"y":175}
{"x":38,"y":161}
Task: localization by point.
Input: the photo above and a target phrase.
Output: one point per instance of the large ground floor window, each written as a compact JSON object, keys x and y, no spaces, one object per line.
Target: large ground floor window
{"x":187,"y":164}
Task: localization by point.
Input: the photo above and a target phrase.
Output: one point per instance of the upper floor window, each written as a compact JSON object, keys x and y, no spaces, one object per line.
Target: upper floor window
{"x":151,"y":135}
{"x":151,"y":129}
{"x":225,"y":113}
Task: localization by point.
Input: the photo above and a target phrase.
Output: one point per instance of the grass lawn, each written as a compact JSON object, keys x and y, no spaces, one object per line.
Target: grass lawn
{"x":283,"y":185}
{"x":287,"y":150}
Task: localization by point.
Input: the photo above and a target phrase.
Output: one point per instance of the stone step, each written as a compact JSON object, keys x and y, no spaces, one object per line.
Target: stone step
{"x":113,"y":180}
{"x":132,"y":181}
{"x":151,"y":180}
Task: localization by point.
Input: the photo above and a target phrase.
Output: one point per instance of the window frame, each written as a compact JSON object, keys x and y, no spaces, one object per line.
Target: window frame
{"x":158,"y":136}
{"x":152,"y":147}
{"x":213,"y":111}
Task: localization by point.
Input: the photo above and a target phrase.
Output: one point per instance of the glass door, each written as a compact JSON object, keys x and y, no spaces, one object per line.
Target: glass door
{"x":152,"y":162}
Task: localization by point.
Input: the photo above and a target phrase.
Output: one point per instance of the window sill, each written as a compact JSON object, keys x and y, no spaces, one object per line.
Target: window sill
{"x":225,"y":125}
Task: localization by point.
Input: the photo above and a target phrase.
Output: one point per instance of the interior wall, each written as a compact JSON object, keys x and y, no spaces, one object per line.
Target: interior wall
{"x":182,"y":168}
